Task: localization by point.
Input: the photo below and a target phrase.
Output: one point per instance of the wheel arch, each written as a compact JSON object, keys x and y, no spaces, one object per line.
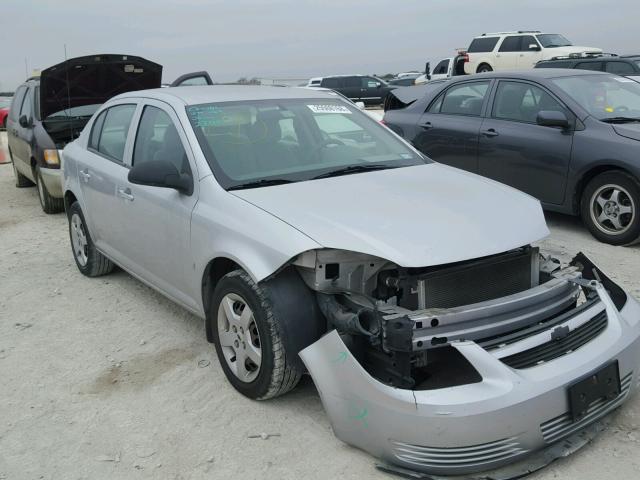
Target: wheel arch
{"x":216,"y":269}
{"x":69,"y":199}
{"x":483,"y":62}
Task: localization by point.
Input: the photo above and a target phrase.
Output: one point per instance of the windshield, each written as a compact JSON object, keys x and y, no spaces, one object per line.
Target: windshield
{"x":81,"y":111}
{"x":603,"y":96}
{"x":552,"y":40}
{"x":281,"y":141}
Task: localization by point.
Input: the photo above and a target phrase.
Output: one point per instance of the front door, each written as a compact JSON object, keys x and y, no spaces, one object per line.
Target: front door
{"x":530,"y":52}
{"x":448,"y":131}
{"x":156,"y":221}
{"x":515,"y":150}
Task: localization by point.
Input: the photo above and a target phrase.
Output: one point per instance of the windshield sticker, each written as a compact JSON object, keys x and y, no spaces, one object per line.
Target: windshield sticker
{"x":624,"y":80}
{"x":328,"y":109}
{"x":212,"y":116}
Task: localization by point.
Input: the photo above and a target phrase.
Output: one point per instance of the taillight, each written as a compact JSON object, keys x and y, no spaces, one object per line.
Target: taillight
{"x":466,"y":58}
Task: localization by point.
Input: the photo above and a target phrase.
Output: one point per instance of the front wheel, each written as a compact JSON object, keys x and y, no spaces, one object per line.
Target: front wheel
{"x":48,"y":203}
{"x":88,"y":259}
{"x":250,"y":339}
{"x":609,"y":208}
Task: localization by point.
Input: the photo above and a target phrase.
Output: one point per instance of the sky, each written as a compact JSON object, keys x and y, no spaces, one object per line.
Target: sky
{"x":290,"y":38}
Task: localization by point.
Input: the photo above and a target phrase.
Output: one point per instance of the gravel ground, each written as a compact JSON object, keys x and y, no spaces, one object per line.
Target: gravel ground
{"x":104,"y":378}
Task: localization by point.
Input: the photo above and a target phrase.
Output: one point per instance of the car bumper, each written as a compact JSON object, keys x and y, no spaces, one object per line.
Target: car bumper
{"x":508,"y":415}
{"x":52,"y":178}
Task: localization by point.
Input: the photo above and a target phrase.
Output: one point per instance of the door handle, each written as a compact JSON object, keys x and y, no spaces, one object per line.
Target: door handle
{"x":85,"y":174}
{"x":426,"y":125}
{"x":490,"y":133}
{"x":125,"y":193}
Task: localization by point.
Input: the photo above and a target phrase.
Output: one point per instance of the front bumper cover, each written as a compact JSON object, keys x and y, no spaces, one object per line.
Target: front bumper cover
{"x":477,"y":427}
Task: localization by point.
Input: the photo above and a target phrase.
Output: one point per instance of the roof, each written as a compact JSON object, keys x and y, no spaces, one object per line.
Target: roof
{"x":532,"y":74}
{"x":194,"y":95}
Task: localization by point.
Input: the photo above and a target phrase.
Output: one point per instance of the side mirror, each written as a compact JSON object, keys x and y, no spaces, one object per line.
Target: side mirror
{"x":552,"y":118}
{"x":533,"y":46}
{"x":24,"y":121}
{"x":360,"y":105}
{"x":161,"y":174}
{"x":378,"y":84}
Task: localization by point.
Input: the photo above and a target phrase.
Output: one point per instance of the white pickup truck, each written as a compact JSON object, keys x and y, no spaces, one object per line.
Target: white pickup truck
{"x":447,"y":67}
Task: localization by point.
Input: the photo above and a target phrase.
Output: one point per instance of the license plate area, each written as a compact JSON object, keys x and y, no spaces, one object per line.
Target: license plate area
{"x":602,"y":384}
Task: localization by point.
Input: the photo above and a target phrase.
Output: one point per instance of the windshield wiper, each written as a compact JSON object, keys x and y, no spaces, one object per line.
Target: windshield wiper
{"x":620,"y":119}
{"x":260,"y":183}
{"x":353,"y":169}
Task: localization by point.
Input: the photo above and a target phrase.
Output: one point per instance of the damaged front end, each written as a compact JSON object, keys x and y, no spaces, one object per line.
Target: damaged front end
{"x":467,"y":367}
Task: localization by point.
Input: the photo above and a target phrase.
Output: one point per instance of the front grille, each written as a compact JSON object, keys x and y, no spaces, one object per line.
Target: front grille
{"x":557,"y":348}
{"x":562,"y":426}
{"x":459,"y":457}
{"x":479,"y":281}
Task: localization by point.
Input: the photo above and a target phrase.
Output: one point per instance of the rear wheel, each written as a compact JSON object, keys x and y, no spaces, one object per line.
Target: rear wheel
{"x":250,"y":339}
{"x":484,"y":68}
{"x":88,"y":259}
{"x":610,"y":208}
{"x":49,"y":204}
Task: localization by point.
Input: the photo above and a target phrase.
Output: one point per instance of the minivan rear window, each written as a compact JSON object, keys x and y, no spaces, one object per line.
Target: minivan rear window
{"x":485,"y":44}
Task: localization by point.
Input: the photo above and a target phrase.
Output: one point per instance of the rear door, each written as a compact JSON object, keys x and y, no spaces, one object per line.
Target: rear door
{"x":23,"y":135}
{"x":351,"y":87}
{"x":448,"y":131}
{"x":508,"y":53}
{"x":13,"y":125}
{"x":515,"y":150}
{"x":156,"y":221}
{"x":101,"y":171}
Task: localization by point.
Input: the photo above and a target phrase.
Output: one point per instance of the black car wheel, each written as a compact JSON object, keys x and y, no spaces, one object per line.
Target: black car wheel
{"x":49,"y":204}
{"x":484,"y":68}
{"x":250,"y":339}
{"x":89,"y":260}
{"x":21,"y":180}
{"x":610,"y":208}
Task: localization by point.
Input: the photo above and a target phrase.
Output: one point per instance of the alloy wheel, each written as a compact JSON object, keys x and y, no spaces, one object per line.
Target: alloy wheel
{"x":239,"y":337}
{"x":79,"y":240}
{"x":612,"y":209}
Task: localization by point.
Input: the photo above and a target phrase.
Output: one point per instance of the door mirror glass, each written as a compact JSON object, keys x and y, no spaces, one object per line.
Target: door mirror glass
{"x":360,"y":105}
{"x":24,"y":121}
{"x":551,"y":118}
{"x":161,"y":174}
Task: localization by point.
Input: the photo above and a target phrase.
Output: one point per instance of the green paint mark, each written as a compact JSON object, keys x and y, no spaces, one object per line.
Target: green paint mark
{"x":362,"y":417}
{"x":341,"y":358}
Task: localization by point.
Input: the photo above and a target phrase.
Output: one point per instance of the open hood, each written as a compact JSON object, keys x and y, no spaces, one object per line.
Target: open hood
{"x":415,"y":216}
{"x":93,"y":80}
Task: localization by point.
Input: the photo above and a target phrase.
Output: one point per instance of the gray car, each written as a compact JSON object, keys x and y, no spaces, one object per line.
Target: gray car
{"x":310,"y":238}
{"x":570,"y":138}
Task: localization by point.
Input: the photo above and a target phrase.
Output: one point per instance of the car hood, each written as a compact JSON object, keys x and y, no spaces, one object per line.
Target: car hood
{"x":93,"y":80}
{"x":628,"y":130}
{"x":415,"y":216}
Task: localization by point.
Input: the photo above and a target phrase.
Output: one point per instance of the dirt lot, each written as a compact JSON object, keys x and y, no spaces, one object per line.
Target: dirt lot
{"x":104,"y":378}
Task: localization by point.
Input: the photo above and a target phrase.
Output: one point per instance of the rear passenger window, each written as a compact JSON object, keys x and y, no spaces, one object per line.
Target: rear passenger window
{"x":115,"y":127}
{"x":94,"y":139}
{"x":619,"y":68}
{"x":464,"y":99}
{"x":352,"y":82}
{"x":483,"y":44}
{"x":158,"y":140}
{"x":597,"y":66}
{"x":330,"y":83}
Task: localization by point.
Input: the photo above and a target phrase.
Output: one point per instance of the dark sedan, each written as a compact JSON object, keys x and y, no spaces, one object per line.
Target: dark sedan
{"x":570,"y":138}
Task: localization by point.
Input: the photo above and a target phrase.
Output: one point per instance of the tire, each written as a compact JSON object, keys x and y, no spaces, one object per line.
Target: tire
{"x":610,"y":208}
{"x":279,"y":370}
{"x":21,"y":180}
{"x":90,"y":262}
{"x":48,"y":203}
{"x":484,"y":68}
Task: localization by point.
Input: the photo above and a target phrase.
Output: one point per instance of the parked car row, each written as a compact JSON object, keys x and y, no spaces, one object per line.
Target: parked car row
{"x":311,"y":238}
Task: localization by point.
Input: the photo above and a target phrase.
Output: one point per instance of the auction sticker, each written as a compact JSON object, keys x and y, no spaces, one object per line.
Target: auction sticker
{"x":328,"y":109}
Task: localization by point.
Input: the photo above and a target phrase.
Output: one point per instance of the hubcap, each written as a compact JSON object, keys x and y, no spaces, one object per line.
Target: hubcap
{"x":79,"y":240}
{"x":612,"y":209}
{"x":239,"y":337}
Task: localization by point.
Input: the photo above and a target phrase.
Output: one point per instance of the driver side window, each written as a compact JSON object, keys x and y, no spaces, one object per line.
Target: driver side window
{"x":157,"y":140}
